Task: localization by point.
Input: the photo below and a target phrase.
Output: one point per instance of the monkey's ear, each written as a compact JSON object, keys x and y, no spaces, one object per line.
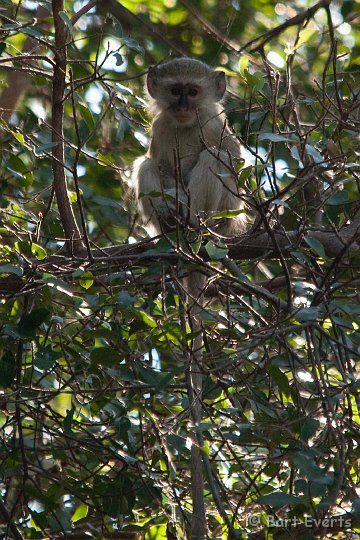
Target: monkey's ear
{"x":220,"y":84}
{"x":151,"y":82}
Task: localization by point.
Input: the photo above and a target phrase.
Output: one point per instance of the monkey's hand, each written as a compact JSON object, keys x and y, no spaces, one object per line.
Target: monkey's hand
{"x":173,"y":198}
{"x":172,"y":207}
{"x":166,"y":170}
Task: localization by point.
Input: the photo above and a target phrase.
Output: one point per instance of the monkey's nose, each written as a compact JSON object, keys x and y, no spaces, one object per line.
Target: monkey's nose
{"x":183,"y":104}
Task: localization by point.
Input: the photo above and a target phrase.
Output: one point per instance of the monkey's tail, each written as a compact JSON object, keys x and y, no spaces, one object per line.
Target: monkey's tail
{"x":195,"y":284}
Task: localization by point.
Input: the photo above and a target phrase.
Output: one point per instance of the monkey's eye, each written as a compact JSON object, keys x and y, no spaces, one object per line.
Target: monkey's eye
{"x":193,"y":92}
{"x":176,"y":91}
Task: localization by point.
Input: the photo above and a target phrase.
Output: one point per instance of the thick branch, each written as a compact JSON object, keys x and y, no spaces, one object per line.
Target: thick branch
{"x":66,"y":212}
{"x":260,"y":245}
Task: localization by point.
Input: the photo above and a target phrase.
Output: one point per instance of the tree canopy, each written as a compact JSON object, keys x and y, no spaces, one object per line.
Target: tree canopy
{"x":94,"y":330}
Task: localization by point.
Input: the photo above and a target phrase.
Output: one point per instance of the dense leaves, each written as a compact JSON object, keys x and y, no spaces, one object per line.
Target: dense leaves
{"x":94,"y":410}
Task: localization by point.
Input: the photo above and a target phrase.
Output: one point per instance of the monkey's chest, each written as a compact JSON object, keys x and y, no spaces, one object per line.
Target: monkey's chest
{"x":177,"y":170}
{"x":179,"y":159}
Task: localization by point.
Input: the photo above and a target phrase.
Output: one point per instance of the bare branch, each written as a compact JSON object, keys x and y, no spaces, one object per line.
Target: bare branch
{"x":294,"y":21}
{"x":71,"y":229}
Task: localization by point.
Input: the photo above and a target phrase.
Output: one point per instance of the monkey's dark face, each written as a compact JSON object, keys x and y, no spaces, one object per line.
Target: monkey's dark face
{"x":183,"y":89}
{"x":184,"y":102}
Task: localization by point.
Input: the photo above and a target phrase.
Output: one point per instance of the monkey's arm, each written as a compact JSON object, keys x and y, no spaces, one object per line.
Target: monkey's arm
{"x":213,"y":188}
{"x":157,"y":195}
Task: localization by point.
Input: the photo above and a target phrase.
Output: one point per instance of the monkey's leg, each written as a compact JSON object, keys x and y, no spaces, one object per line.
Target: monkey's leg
{"x":161,"y":200}
{"x":146,"y":177}
{"x":210,"y":183}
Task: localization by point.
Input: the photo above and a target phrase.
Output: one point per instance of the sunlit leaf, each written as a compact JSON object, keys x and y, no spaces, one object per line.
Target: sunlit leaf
{"x":243,"y":64}
{"x":30,"y":249}
{"x":80,"y":513}
{"x":86,"y":280}
{"x":87,"y":115}
{"x":105,"y":159}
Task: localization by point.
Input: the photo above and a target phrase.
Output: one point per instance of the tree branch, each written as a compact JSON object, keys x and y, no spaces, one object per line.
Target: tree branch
{"x":294,"y":21}
{"x":7,"y":518}
{"x":71,"y":229}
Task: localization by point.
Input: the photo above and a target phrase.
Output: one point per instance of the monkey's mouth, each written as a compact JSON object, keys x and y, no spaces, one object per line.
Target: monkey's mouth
{"x":183,"y":116}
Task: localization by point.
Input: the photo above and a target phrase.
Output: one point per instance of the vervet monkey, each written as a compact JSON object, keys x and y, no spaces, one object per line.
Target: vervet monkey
{"x":187,"y":175}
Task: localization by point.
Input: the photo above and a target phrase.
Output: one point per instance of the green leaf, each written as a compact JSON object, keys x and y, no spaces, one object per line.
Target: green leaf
{"x":87,"y":116}
{"x":243,"y":64}
{"x":149,"y":376}
{"x":244,"y":176}
{"x":176,"y":442}
{"x":315,"y":245}
{"x":216,"y":252}
{"x":17,"y":167}
{"x":29,"y":249}
{"x":341,"y":197}
{"x":294,"y":151}
{"x":42,"y":149}
{"x":67,"y":422}
{"x":11,"y":269}
{"x":277,"y":137}
{"x":7,"y":369}
{"x":281,"y":380}
{"x":119,"y":59}
{"x":255,"y":80}
{"x":306,"y":464}
{"x":32,"y":32}
{"x":114,"y":27}
{"x":106,"y":356}
{"x":106,"y":201}
{"x":124,"y":91}
{"x":304,"y":36}
{"x":86,"y":280}
{"x":29,"y":323}
{"x":307,"y":314}
{"x":80,"y":512}
{"x":156,"y":533}
{"x":45,"y":358}
{"x":66,"y":20}
{"x":279,"y":499}
{"x":105,"y":159}
{"x":279,"y":202}
{"x":146,"y":319}
{"x":133,"y":44}
{"x":309,"y":428}
{"x":227,"y":214}
{"x":19,"y":137}
{"x":314,"y":153}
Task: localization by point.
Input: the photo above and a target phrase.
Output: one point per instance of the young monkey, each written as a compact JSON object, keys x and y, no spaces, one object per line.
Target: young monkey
{"x":187,"y":173}
{"x":185,"y":177}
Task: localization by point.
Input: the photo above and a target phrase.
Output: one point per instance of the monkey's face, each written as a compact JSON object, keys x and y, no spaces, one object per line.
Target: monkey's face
{"x":184,"y":101}
{"x":183,"y":89}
